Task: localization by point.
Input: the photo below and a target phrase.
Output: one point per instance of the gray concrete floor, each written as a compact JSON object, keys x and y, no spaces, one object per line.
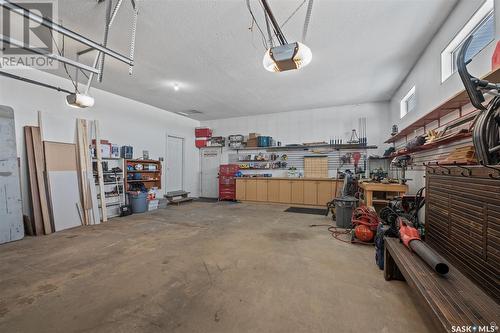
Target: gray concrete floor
{"x":200,"y":267}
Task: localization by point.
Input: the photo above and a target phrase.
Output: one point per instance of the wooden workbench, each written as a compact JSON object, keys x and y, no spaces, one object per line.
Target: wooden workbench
{"x":297,"y":191}
{"x":370,"y":188}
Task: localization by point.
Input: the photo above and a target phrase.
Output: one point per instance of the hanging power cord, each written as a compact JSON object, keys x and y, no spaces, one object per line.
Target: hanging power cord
{"x":255,"y":23}
{"x":268,"y":27}
{"x":307,"y":20}
{"x":61,"y":53}
{"x":343,"y":235}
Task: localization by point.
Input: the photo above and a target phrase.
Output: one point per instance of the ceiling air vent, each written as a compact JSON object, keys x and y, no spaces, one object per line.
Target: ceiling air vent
{"x":189,"y":113}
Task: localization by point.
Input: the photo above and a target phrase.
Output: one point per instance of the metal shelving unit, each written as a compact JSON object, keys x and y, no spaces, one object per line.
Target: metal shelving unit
{"x":115,"y":186}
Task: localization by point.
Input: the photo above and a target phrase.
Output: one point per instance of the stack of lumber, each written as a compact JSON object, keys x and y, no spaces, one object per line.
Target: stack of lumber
{"x":61,"y":180}
{"x":88,"y":194}
{"x":40,"y":220}
{"x":431,"y":136}
{"x":463,"y":155}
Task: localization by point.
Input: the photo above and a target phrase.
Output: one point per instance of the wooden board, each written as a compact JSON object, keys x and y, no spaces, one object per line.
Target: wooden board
{"x":285,"y":191}
{"x":64,"y":193}
{"x":241,"y":189}
{"x":325,"y":192}
{"x":36,"y":217}
{"x":100,"y":177}
{"x":311,"y":192}
{"x":273,"y":191}
{"x":41,"y":179}
{"x":60,"y":156}
{"x":315,"y":166}
{"x":262,"y":190}
{"x":94,"y":210}
{"x":251,"y":190}
{"x":65,"y":197}
{"x":297,"y":192}
{"x":86,"y":177}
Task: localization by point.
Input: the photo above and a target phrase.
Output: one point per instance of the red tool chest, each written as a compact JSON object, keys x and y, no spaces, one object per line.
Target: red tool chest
{"x":227,"y":181}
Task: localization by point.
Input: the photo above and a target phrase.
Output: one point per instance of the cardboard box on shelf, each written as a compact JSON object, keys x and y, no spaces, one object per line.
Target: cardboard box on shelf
{"x":253,"y":135}
{"x":252,"y":142}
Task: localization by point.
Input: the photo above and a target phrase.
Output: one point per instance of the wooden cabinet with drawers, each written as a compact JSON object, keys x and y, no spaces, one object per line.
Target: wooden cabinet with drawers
{"x":241,"y":189}
{"x":262,"y":190}
{"x":251,"y":190}
{"x":285,"y":194}
{"x":297,"y":191}
{"x":273,"y":191}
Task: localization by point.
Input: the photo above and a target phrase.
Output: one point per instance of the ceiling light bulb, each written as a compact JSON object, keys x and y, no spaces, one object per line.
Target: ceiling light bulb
{"x":287,"y":57}
{"x":176,"y":87}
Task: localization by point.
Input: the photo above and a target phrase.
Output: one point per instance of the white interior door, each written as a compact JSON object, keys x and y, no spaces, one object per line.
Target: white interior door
{"x":210,"y":162}
{"x":175,"y":164}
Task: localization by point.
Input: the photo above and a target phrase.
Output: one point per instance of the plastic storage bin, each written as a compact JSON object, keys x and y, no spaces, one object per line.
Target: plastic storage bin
{"x":138,"y":201}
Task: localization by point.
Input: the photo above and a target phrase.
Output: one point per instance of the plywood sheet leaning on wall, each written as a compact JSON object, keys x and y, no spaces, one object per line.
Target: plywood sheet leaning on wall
{"x":36,"y":211}
{"x":37,"y":177}
{"x":100,"y":177}
{"x":87,"y":187}
{"x":63,"y":185}
{"x":11,"y":217}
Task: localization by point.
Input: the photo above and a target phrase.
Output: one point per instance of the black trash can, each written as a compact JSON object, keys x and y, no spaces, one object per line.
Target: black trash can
{"x":343,"y":211}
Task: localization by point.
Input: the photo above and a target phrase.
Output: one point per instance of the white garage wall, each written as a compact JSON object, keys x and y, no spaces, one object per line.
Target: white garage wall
{"x":122,"y":121}
{"x":311,"y":125}
{"x":426,"y":74}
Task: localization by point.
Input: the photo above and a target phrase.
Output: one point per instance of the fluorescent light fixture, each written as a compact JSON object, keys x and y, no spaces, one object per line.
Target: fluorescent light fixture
{"x":79,"y":101}
{"x":287,"y":57}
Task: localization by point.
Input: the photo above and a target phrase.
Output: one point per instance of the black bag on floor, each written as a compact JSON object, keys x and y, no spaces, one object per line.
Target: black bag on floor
{"x":125,"y":210}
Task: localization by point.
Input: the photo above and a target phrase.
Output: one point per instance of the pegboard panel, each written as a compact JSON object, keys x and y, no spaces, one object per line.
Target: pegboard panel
{"x":295,"y":158}
{"x":316,"y":166}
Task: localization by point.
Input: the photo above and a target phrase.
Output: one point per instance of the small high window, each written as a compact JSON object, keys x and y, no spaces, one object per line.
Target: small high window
{"x":482,"y":26}
{"x":408,"y":103}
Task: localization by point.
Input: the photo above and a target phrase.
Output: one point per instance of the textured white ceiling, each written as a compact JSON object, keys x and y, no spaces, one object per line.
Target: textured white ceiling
{"x":362,"y":50}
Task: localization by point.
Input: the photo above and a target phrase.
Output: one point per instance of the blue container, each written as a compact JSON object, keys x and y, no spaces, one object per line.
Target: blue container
{"x":126,"y":152}
{"x":138,"y":201}
{"x":264,"y":141}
